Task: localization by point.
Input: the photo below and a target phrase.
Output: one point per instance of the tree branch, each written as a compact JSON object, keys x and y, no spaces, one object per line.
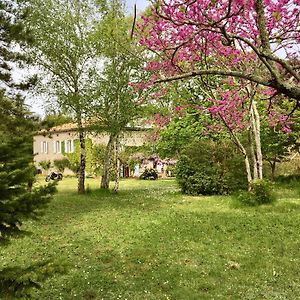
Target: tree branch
{"x":237,"y":74}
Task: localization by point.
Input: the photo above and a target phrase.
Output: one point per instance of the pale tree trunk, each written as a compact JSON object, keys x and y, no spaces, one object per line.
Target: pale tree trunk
{"x":253,"y":154}
{"x":256,"y":132}
{"x":81,"y":177}
{"x":246,"y":161}
{"x":107,"y":163}
{"x":117,"y":164}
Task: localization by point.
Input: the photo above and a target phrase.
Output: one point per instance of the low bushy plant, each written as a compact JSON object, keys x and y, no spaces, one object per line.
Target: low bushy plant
{"x":45,"y":164}
{"x":149,"y":174}
{"x":261,"y":192}
{"x":288,"y":178}
{"x":210,"y":168}
{"x":194,"y":179}
{"x":61,"y":164}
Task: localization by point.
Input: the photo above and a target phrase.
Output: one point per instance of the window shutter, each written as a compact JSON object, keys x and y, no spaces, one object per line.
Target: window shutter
{"x":59,"y":146}
{"x":42,"y":149}
{"x":54,"y":147}
{"x":66,"y":146}
{"x":72,"y":146}
{"x":46,"y":147}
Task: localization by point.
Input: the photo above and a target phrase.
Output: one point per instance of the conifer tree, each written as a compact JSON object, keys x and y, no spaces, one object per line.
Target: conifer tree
{"x":18,"y":200}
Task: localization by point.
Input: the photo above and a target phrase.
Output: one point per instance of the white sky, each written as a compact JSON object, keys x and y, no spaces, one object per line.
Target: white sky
{"x":37,"y":103}
{"x":141,"y":4}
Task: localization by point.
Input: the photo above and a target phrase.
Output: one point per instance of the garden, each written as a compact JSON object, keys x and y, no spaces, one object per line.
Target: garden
{"x":151,"y":242}
{"x":196,"y":99}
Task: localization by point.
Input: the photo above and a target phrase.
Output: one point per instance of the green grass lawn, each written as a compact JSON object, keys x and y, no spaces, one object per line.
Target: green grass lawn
{"x":151,"y":242}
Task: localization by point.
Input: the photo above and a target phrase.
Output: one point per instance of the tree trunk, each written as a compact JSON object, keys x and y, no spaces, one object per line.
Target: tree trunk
{"x":253,"y":154}
{"x":246,"y":158}
{"x":256,"y":132}
{"x":81,"y":178}
{"x":248,"y":168}
{"x":117,"y":164}
{"x":107,"y":162}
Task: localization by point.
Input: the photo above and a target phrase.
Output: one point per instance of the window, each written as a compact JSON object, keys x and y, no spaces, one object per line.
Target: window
{"x":69,"y":146}
{"x":56,"y":146}
{"x":44,"y":147}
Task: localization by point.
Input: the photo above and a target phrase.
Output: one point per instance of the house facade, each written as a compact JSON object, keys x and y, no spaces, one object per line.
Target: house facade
{"x":53,"y":144}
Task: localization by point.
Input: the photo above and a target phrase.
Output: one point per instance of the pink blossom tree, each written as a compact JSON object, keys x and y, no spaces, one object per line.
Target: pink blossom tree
{"x":253,"y":44}
{"x":199,"y":37}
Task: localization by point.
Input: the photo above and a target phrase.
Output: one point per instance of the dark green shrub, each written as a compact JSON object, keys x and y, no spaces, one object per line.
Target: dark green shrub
{"x":210,"y":168}
{"x":149,"y":174}
{"x":288,"y":178}
{"x":194,"y":179}
{"x":261,"y":192}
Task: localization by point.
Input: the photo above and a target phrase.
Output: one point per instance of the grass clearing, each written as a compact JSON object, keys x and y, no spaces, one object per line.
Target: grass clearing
{"x":151,"y":242}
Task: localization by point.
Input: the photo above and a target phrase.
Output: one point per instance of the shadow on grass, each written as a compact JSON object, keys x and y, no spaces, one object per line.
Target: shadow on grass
{"x":74,"y":205}
{"x":20,"y":282}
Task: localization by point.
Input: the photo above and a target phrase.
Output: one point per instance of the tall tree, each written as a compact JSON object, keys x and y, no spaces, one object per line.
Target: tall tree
{"x":63,"y":48}
{"x":200,"y":39}
{"x":18,"y":200}
{"x":116,"y":100}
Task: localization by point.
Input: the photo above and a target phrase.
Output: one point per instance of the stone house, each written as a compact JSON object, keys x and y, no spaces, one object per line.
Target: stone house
{"x":54,"y":143}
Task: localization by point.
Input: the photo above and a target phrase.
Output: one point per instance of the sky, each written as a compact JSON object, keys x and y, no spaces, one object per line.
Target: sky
{"x":36,"y":103}
{"x":141,"y":4}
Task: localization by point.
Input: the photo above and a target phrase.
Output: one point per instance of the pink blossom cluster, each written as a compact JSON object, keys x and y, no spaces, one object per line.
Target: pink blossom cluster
{"x":230,"y":110}
{"x":186,"y":33}
{"x":278,"y":120}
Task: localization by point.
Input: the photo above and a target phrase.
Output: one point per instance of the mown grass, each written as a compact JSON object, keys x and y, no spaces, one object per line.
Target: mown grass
{"x":151,"y":242}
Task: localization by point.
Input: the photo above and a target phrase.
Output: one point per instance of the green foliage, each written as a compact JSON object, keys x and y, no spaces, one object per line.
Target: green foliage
{"x":12,"y":32}
{"x":94,"y":157}
{"x":149,"y":174}
{"x":288,"y":178}
{"x":97,"y":158}
{"x":261,"y":192}
{"x":61,"y":164}
{"x":207,"y":167}
{"x":178,"y":134}
{"x":116,"y":99}
{"x":196,"y":180}
{"x":62,"y":53}
{"x":45,"y":164}
{"x":133,"y":155}
{"x":52,"y":120}
{"x":18,"y":200}
{"x":74,"y":158}
{"x":19,"y":282}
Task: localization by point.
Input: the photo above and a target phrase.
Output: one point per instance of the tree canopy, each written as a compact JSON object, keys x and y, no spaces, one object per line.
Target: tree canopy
{"x":256,"y":41}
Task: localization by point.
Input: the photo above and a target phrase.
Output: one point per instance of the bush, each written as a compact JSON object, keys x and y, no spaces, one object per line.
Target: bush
{"x":45,"y":164}
{"x":149,"y":174}
{"x":210,"y":168}
{"x":61,"y":164}
{"x":288,"y":178}
{"x":195,"y":180}
{"x":261,"y":193}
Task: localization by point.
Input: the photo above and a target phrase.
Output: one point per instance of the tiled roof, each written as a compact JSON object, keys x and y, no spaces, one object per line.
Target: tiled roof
{"x":73,"y":127}
{"x":60,"y":128}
